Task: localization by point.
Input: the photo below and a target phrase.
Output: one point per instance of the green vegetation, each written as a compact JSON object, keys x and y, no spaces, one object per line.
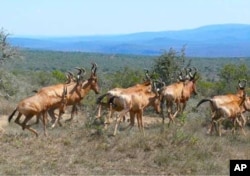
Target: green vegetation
{"x":168,"y":65}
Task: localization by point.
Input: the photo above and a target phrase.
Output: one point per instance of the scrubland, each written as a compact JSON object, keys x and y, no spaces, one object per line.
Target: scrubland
{"x":83,"y":147}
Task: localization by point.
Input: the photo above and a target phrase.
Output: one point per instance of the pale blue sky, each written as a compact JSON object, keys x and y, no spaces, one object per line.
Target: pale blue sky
{"x":97,"y":17}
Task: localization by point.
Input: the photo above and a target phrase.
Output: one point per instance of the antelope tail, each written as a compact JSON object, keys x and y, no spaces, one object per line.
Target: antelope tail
{"x":202,"y":101}
{"x":111,"y":101}
{"x":12,"y":114}
{"x":99,"y":99}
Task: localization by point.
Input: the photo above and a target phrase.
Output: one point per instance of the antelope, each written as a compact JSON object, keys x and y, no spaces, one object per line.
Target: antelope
{"x":134,"y":102}
{"x":233,"y":111}
{"x":70,"y":78}
{"x":116,"y":92}
{"x":178,"y":93}
{"x":217,"y":101}
{"x":38,"y":105}
{"x":77,"y":91}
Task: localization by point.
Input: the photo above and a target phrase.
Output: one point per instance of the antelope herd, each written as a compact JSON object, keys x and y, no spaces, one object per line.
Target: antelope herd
{"x":132,"y":101}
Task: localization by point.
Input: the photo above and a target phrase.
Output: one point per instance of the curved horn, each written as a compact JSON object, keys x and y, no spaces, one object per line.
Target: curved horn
{"x":83,"y":71}
{"x":180,"y":76}
{"x":94,"y":68}
{"x":188,"y":70}
{"x":162,"y":82}
{"x":79,"y":70}
{"x":70,"y":74}
{"x":154,"y":88}
{"x":192,"y":76}
{"x":239,"y":83}
{"x":244,"y":83}
{"x":67,"y":76}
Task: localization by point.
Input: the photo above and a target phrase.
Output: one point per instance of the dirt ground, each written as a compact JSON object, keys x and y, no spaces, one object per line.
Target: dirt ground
{"x":3,"y":123}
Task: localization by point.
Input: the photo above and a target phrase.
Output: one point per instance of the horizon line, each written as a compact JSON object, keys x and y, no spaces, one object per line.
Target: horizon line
{"x":118,"y":34}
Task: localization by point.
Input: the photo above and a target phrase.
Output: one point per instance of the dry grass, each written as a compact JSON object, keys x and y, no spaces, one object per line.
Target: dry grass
{"x":81,"y":148}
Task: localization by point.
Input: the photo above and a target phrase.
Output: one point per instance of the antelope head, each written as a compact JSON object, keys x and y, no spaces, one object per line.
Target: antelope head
{"x":93,"y":79}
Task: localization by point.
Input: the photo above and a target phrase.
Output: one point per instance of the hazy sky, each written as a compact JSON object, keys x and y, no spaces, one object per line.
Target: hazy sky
{"x":91,"y":17}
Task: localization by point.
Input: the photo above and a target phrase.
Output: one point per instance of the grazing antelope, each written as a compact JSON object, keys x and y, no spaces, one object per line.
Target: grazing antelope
{"x":178,"y":93}
{"x":217,"y":101}
{"x":38,"y":105}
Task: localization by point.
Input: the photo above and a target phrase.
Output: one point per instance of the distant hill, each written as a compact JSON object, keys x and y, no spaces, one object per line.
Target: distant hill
{"x":228,"y":40}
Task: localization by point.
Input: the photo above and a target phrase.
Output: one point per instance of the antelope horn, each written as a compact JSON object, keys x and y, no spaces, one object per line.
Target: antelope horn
{"x":244,"y":83}
{"x":190,"y":72}
{"x":180,"y":76}
{"x":80,"y":71}
{"x":94,"y":67}
{"x":83,"y":71}
{"x":155,"y":88}
{"x":67,"y":76}
{"x":163,"y":84}
{"x":70,"y":74}
{"x":239,"y":83}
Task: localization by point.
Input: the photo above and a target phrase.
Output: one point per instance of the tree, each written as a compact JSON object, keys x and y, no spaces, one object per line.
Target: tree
{"x":230,"y":74}
{"x":6,"y":50}
{"x":125,"y":77}
{"x":169,"y":64}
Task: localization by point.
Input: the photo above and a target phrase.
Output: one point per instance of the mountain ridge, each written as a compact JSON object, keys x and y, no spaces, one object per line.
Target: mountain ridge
{"x":223,"y":40}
